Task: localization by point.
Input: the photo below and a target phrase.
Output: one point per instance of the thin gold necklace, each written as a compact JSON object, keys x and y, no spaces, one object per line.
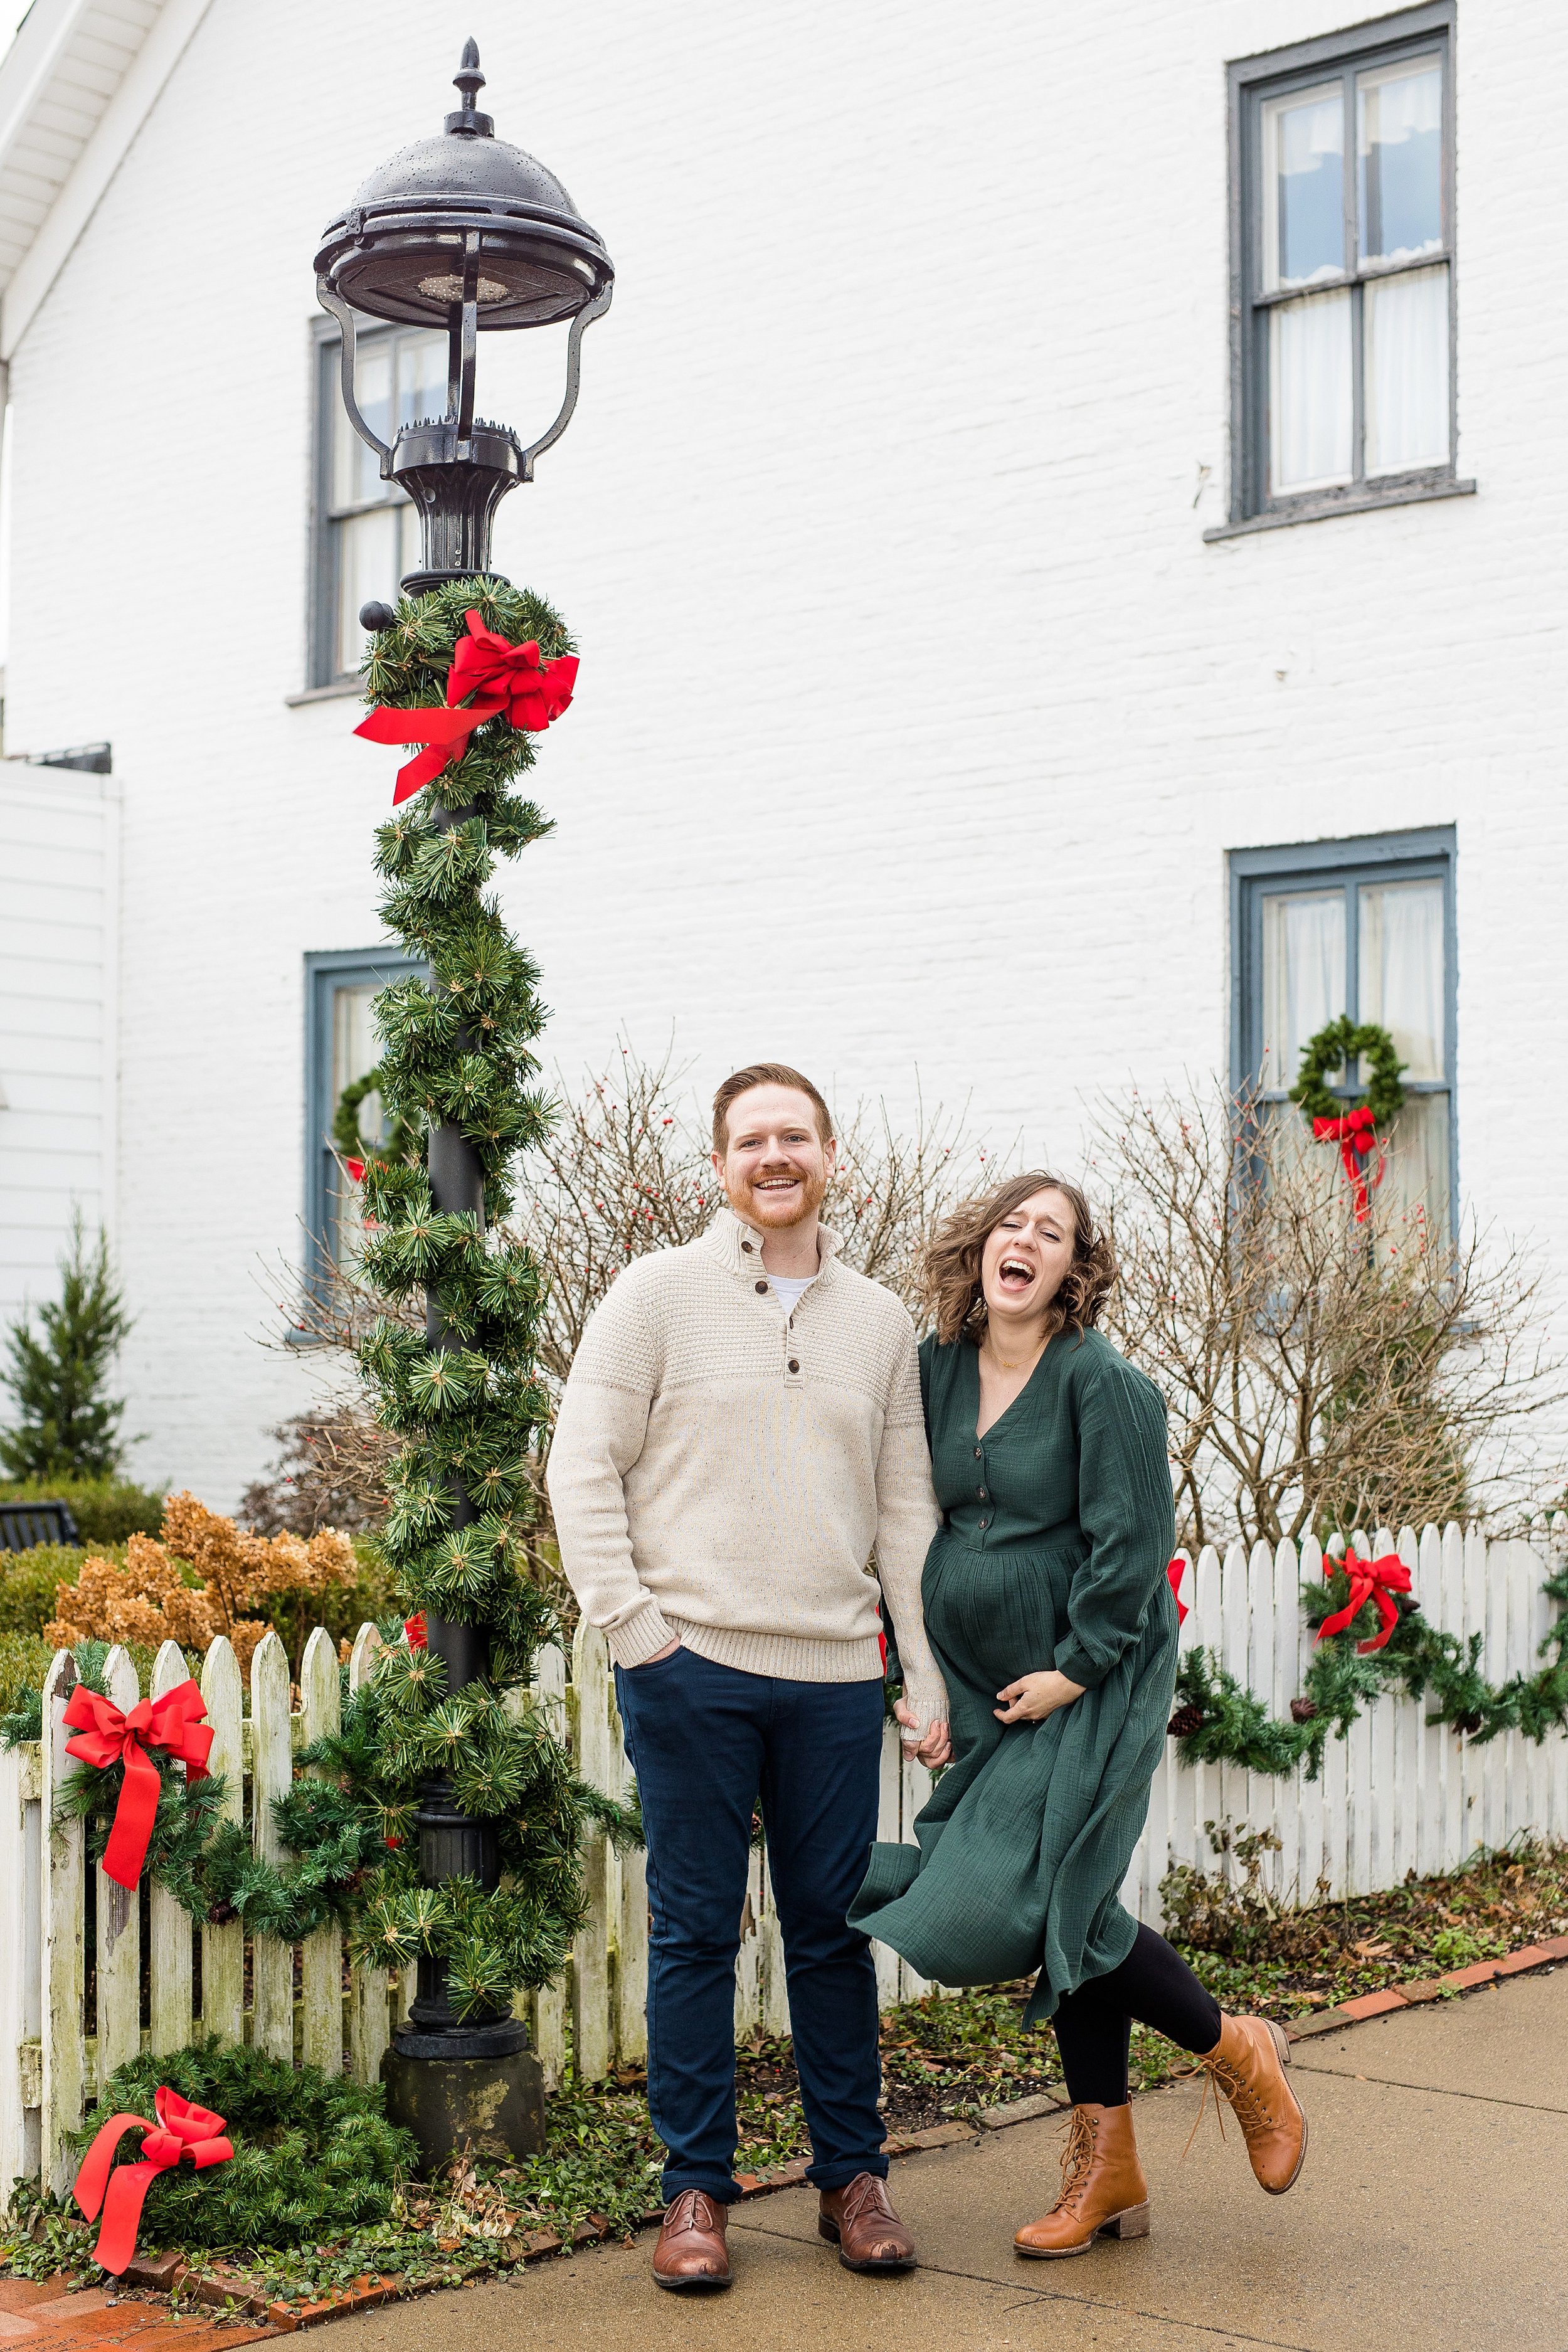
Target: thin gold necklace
{"x":1002,"y":1361}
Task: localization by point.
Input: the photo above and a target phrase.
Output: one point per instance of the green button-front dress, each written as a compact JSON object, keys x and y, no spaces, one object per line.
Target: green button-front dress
{"x":1054,"y":1552}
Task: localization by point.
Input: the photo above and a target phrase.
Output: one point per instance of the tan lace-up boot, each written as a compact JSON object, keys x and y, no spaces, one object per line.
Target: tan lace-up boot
{"x":1247,"y":2065}
{"x":1104,"y":2193}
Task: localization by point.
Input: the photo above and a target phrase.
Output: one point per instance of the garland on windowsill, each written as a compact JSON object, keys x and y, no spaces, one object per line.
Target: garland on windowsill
{"x":1217,"y":1721}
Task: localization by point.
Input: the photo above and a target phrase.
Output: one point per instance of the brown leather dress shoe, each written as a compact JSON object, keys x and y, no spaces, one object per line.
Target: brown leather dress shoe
{"x":869,"y":2234}
{"x":1104,"y":2193}
{"x":1246,"y":2066}
{"x":692,"y":2256}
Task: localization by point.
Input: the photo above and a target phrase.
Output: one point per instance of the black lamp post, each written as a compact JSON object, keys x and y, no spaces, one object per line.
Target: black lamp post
{"x":466,"y":232}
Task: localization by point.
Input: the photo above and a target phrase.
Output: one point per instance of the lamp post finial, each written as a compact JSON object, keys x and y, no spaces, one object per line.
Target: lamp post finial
{"x":470,"y":81}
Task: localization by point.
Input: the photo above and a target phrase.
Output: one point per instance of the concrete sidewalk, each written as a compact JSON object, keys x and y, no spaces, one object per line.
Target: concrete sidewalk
{"x":1432,"y":2214}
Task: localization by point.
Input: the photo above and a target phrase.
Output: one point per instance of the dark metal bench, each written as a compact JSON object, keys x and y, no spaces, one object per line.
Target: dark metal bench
{"x":22,"y":1524}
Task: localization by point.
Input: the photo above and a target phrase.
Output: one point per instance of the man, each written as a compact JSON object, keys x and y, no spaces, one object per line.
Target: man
{"x":742,"y":1424}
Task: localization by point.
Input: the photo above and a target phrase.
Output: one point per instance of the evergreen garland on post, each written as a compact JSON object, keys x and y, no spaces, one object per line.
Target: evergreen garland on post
{"x":460,"y":1050}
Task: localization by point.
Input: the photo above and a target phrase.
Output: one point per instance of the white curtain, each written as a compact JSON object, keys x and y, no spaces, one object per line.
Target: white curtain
{"x":1310,"y":393}
{"x":1407,"y":371}
{"x":1303,"y":976}
{"x":1400,"y":939}
{"x":1401,"y":956}
{"x":355,"y":1049}
{"x":368,"y":571}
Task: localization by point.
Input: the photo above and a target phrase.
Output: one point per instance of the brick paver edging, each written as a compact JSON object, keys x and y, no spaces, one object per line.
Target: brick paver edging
{"x":1480,"y":1972}
{"x":225,"y":2289}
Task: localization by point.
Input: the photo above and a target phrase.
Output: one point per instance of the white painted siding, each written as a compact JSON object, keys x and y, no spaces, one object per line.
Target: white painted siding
{"x":915,"y":719}
{"x":59,"y":900}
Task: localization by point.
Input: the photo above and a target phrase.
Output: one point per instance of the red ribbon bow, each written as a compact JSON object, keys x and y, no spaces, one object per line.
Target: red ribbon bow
{"x":500,"y":676}
{"x":107,"y":1736}
{"x":122,"y":2189}
{"x":417,"y":1631}
{"x":1356,"y":1134}
{"x":1176,"y":1571}
{"x":1370,"y":1579}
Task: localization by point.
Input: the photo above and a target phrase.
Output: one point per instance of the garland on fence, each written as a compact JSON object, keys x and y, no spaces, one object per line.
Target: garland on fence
{"x":1218,"y":1721}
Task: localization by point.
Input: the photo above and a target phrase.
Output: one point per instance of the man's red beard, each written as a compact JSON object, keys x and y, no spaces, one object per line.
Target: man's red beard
{"x":812,"y":1192}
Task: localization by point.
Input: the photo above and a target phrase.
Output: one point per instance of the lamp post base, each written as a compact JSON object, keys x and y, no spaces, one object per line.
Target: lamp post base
{"x":491,"y":2105}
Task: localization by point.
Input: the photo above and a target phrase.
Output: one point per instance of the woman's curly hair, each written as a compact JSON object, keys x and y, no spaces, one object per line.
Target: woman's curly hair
{"x":950,"y":1279}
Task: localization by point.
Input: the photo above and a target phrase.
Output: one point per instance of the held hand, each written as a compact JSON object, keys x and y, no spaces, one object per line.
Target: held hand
{"x":934,"y":1747}
{"x":1033,"y":1696}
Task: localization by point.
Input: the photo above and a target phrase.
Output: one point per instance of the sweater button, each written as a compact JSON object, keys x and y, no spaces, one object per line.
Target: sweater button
{"x":747,"y":1246}
{"x":978,"y":1452}
{"x":763,"y":1288}
{"x":793,"y":1364}
{"x":985,"y":1523}
{"x":980,"y":1494}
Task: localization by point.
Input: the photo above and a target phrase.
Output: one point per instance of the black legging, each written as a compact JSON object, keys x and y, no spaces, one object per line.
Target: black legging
{"x":1094,"y":2025}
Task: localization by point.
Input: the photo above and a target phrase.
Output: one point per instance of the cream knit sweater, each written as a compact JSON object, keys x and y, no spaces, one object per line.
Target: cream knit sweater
{"x":720,"y":1475}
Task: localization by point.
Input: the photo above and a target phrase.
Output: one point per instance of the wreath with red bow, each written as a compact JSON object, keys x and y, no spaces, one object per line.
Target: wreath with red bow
{"x":1355,"y":1126}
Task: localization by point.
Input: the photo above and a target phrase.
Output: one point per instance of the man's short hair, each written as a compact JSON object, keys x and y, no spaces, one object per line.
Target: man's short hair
{"x":765,"y":1074}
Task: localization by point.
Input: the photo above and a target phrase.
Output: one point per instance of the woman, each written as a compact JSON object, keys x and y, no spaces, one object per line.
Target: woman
{"x":1048,"y":1606}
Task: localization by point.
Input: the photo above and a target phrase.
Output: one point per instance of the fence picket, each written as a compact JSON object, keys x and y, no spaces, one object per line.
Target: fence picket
{"x":118,"y":1928}
{"x":369,"y":2021}
{"x":545,"y":2010}
{"x":272,"y":1768}
{"x":597,"y":1754}
{"x":223,"y":1949}
{"x":19,"y":1971}
{"x":172,"y":1930}
{"x":64,"y":1882}
{"x":321,"y":1953}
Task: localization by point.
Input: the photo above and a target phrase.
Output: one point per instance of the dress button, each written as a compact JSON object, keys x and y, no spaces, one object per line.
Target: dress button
{"x":978,"y":1452}
{"x":984,"y":1522}
{"x":980,"y":1492}
{"x":795,"y":1364}
{"x":763,"y":1287}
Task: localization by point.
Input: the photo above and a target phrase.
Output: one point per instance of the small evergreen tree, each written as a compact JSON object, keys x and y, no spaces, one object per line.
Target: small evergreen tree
{"x":68,"y":1427}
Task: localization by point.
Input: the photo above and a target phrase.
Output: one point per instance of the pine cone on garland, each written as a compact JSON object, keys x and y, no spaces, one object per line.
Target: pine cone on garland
{"x":1303,"y":1710}
{"x":220,"y":1913}
{"x":1185,"y":1721}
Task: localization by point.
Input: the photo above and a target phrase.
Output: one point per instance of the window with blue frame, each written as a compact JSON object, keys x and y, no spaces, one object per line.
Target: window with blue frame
{"x":341,"y":1046}
{"x":1364,"y":926}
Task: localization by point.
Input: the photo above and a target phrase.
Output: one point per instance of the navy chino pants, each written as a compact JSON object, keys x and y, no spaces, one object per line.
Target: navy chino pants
{"x":705,"y":1742}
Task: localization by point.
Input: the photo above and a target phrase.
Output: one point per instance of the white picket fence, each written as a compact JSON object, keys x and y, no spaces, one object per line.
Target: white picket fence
{"x":1396,"y":1796}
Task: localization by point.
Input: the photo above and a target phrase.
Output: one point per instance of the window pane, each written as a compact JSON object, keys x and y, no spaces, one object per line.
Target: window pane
{"x":1303,"y":187}
{"x":1310,"y":393}
{"x":1416,"y":1166}
{"x":1401,"y":983}
{"x":367,"y":569}
{"x":1399,"y":160}
{"x":356,"y":469}
{"x":421,"y":377}
{"x":1303,"y":976}
{"x":355,"y":1049}
{"x":1407,"y":371}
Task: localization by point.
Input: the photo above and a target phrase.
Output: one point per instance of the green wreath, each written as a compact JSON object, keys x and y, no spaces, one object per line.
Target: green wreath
{"x":349,"y":1143}
{"x":1333,"y":1048}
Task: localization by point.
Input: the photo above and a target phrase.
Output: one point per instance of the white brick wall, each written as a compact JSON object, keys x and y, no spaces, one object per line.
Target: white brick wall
{"x":915,"y":717}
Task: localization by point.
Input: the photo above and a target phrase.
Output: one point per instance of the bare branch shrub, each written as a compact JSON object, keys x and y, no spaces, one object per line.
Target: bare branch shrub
{"x":331,"y":1472}
{"x":1321,"y":1372}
